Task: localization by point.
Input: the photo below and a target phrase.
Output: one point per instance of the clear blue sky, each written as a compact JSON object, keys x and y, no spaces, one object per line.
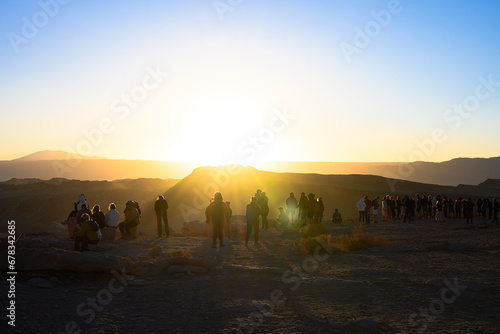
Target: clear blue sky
{"x":253,"y":81}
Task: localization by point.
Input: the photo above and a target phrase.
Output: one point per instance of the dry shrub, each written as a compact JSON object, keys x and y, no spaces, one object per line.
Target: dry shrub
{"x":360,"y":240}
{"x":181,"y":253}
{"x":312,"y":230}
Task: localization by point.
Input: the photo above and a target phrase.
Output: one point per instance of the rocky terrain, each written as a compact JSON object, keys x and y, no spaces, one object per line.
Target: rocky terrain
{"x":434,"y":278}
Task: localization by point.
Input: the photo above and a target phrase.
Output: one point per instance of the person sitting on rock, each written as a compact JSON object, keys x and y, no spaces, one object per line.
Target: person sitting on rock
{"x":98,"y":216}
{"x":131,"y":220}
{"x":87,"y":234}
{"x":83,"y":210}
{"x":336,"y":217}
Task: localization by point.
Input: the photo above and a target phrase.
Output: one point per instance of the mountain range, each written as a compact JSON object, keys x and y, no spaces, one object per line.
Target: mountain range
{"x":59,"y":164}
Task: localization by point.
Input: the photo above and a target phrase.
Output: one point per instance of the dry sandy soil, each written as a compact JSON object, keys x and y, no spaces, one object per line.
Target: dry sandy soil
{"x":434,"y":277}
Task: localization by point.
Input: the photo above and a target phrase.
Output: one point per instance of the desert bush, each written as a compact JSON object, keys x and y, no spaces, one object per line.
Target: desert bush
{"x":181,"y":253}
{"x":313,"y":230}
{"x":360,"y":240}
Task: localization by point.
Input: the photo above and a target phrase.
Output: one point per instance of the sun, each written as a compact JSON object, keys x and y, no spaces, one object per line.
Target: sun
{"x":217,"y":120}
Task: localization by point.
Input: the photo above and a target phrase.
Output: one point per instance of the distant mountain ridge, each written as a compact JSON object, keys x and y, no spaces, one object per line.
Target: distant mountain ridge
{"x":51,"y":164}
{"x":51,"y":155}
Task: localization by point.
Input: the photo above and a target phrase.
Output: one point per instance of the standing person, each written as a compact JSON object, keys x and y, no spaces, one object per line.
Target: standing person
{"x":434,"y":206}
{"x":495,"y":211}
{"x":425,"y":208}
{"x":311,"y":207}
{"x":469,"y":211}
{"x":263,"y":202}
{"x":161,"y":207}
{"x":229,"y":215}
{"x":98,"y":216}
{"x":368,"y":206}
{"x":361,"y":205}
{"x":430,"y":206}
{"x":112,"y":218}
{"x":218,"y":213}
{"x":490,"y":208}
{"x":398,"y":207}
{"x":291,"y":206}
{"x":445,"y":207}
{"x":320,"y":208}
{"x":132,"y":219}
{"x":87,"y":234}
{"x":252,"y":215}
{"x":458,"y":207}
{"x":303,"y":204}
{"x":375,"y":205}
{"x":439,"y":209}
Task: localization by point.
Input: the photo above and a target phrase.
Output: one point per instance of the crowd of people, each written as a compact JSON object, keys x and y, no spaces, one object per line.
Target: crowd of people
{"x":88,"y":226}
{"x":409,"y":208}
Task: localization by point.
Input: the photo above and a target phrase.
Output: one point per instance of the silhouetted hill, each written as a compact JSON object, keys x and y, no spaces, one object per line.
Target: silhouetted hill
{"x":453,"y":172}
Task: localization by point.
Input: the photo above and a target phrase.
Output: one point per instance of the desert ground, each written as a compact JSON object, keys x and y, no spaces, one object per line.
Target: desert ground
{"x":433,"y":277}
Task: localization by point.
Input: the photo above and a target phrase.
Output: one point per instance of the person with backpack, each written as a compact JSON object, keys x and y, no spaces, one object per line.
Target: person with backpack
{"x":87,"y":234}
{"x":218,"y":214}
{"x":161,"y":207}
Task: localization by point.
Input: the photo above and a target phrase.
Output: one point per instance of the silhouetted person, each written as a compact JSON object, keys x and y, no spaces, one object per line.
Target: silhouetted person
{"x":263,"y":202}
{"x":368,"y":207}
{"x":98,"y":216}
{"x":361,"y":205}
{"x":320,"y":208}
{"x":218,"y":214}
{"x":230,"y":214}
{"x":161,"y":207}
{"x":83,"y":210}
{"x":87,"y":234}
{"x":311,"y":207}
{"x":112,"y":218}
{"x":458,"y":207}
{"x":469,"y":211}
{"x":375,"y":205}
{"x":81,"y":201}
{"x":291,"y":206}
{"x":283,"y":218}
{"x":252,"y":215}
{"x":132,"y":219}
{"x":336,"y":217}
{"x":495,"y":211}
{"x":303,"y":204}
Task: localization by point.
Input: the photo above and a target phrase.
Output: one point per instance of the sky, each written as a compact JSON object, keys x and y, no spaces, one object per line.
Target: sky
{"x":249,"y":81}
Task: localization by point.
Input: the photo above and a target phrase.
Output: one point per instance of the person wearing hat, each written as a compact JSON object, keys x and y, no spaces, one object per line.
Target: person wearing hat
{"x":131,"y":220}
